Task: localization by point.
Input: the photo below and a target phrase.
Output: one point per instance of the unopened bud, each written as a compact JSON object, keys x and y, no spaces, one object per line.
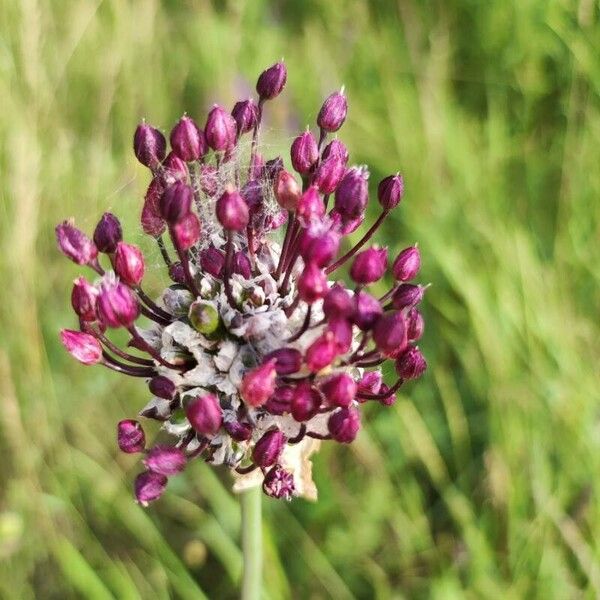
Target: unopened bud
{"x":287,"y":190}
{"x":176,"y":202}
{"x":321,"y":352}
{"x":232,"y":211}
{"x":204,"y":414}
{"x":304,"y":152}
{"x":389,"y":333}
{"x":108,"y":233}
{"x":407,"y":295}
{"x":333,"y":112}
{"x":339,"y":390}
{"x":130,"y":436}
{"x":306,"y":402}
{"x":411,"y":364}
{"x":83,"y":299}
{"x":186,"y":232}
{"x":116,"y":305}
{"x":220,"y":129}
{"x":149,"y":145}
{"x":344,"y":424}
{"x":162,"y":387}
{"x":268,"y":449}
{"x":166,"y":460}
{"x":74,"y":244}
{"x":187,"y":140}
{"x":369,"y":266}
{"x":149,"y":486}
{"x":407,"y":264}
{"x":287,"y":360}
{"x":390,"y":191}
{"x":352,"y":194}
{"x":245,"y":114}
{"x":271,"y":81}
{"x":129,"y":264}
{"x":82,"y":346}
{"x":259,"y":384}
{"x":312,"y":283}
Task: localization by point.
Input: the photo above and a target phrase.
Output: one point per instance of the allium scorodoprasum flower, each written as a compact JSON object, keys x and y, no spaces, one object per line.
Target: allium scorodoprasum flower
{"x":257,"y":350}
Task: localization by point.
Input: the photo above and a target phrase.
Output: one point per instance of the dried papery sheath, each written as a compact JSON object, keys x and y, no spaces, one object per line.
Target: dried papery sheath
{"x":270,"y":334}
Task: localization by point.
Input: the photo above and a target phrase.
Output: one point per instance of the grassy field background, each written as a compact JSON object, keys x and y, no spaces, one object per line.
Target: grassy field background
{"x":483,"y":481}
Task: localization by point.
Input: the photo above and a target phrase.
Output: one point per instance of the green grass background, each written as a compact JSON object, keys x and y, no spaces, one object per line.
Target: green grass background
{"x":483,"y":480}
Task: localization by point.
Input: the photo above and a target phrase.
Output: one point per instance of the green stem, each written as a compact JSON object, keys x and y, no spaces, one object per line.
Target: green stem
{"x":252,"y":543}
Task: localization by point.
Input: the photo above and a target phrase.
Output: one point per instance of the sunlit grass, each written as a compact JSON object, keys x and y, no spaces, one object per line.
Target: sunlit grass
{"x":482,"y":480}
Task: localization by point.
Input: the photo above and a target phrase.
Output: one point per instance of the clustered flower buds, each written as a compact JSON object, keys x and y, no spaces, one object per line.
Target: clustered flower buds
{"x":257,"y":347}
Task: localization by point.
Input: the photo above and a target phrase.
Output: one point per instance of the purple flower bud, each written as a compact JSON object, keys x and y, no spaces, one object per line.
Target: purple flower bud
{"x":82,"y":346}
{"x":209,"y":180}
{"x":338,"y":303}
{"x":321,"y":352}
{"x":204,"y":414}
{"x":407,"y":295}
{"x":287,"y":190}
{"x":369,"y":266}
{"x":165,"y":460}
{"x":149,"y":145}
{"x":220,"y":129}
{"x":342,"y":333}
{"x":108,"y":233}
{"x":352,"y":194}
{"x":83,"y":299}
{"x":333,"y":112}
{"x":367,"y":310}
{"x":389,"y":333}
{"x":328,"y":174}
{"x":232,"y":211}
{"x":173,"y":169}
{"x":152,"y":222}
{"x":287,"y":360}
{"x":304,"y":152}
{"x":241,"y":265}
{"x":338,"y":149}
{"x":130,"y":436}
{"x":310,"y":206}
{"x":390,"y":191}
{"x":149,"y":486}
{"x":281,"y":400}
{"x":258,"y":384}
{"x":74,"y":244}
{"x":411,"y":364}
{"x":306,"y":402}
{"x":116,"y":305}
{"x":271,"y":81}
{"x":407,"y":264}
{"x":344,"y":424}
{"x":268,"y":449}
{"x":129,"y":264}
{"x":187,"y":140}
{"x":339,"y":390}
{"x":322,"y":250}
{"x":312,"y":283}
{"x":186,"y":232}
{"x":212,"y":261}
{"x":370,"y":383}
{"x":245,"y":114}
{"x":415,"y":325}
{"x":177,"y":273}
{"x":176,"y":202}
{"x":279,"y":483}
{"x":240,"y":432}
{"x":162,"y":387}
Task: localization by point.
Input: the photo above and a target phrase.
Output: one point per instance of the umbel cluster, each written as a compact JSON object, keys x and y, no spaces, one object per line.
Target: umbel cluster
{"x":256,"y":348}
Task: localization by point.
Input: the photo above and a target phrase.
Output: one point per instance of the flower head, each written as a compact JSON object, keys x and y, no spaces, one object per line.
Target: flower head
{"x":257,"y":344}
